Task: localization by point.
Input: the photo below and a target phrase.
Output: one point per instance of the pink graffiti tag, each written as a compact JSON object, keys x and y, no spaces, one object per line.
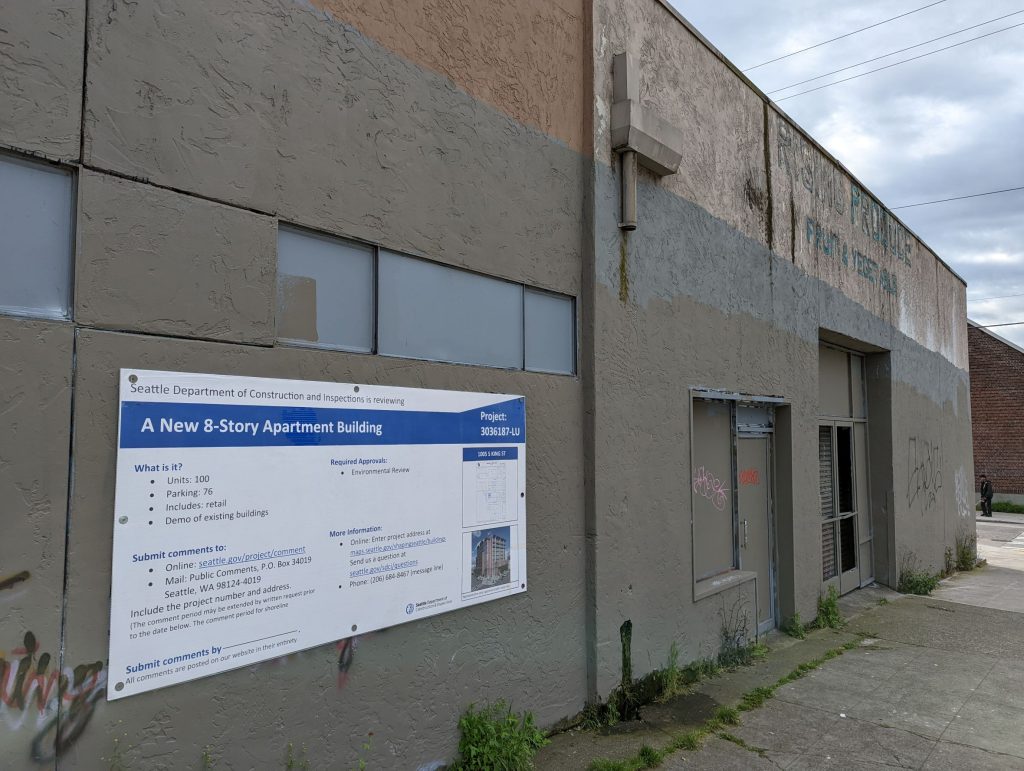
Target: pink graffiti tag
{"x":711,"y":487}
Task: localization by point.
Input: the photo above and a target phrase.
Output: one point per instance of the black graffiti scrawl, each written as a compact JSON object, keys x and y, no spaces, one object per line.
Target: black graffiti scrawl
{"x":33,"y":689}
{"x":924,"y":469}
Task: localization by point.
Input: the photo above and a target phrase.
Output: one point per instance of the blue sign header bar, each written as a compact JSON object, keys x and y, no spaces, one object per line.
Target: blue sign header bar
{"x":176,"y":424}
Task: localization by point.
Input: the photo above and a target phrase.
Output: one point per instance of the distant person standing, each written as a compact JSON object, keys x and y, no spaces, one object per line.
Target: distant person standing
{"x":986,"y":497}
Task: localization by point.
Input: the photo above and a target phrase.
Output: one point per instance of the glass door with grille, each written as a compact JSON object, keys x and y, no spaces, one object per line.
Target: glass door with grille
{"x":841,"y":548}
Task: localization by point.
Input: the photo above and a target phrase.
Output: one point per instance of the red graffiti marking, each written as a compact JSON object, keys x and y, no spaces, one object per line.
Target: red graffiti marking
{"x":750,"y":476}
{"x":346,"y":649}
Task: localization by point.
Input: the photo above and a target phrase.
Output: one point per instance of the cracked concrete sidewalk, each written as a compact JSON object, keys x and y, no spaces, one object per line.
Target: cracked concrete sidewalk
{"x":932,"y":684}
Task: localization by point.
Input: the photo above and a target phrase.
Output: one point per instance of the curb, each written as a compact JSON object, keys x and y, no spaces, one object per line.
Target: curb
{"x":993,"y":520}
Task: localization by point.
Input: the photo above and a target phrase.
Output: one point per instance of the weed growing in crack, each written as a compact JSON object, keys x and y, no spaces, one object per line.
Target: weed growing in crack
{"x":966,"y":550}
{"x":829,"y":616}
{"x":762,"y":751}
{"x":649,"y":757}
{"x":727,"y":715}
{"x":794,"y":628}
{"x":914,"y":579}
{"x":495,"y":737}
{"x":295,"y":761}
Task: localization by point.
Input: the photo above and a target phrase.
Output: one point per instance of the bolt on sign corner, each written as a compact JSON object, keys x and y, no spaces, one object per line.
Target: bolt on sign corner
{"x":256,"y":517}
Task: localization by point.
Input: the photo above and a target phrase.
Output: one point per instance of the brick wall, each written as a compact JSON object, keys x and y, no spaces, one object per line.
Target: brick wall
{"x":997,"y":410}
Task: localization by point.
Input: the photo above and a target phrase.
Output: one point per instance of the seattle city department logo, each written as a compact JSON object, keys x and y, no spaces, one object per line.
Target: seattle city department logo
{"x":409,"y":609}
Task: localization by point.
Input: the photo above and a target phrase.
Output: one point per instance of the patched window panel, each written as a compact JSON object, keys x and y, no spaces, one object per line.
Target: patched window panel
{"x":431,"y":311}
{"x":36,"y":238}
{"x":325,"y":291}
{"x":714,"y":549}
{"x":550,"y":332}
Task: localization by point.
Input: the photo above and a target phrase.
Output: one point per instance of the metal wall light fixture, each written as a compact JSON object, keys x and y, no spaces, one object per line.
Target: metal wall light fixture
{"x":639,"y":136}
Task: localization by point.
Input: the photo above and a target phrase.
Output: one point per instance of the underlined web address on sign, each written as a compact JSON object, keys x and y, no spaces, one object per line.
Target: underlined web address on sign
{"x":381,"y":548}
{"x":265,"y":555}
{"x":383,"y":568}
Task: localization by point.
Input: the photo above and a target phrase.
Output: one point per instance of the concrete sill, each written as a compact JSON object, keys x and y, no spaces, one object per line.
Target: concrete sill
{"x":709,"y":586}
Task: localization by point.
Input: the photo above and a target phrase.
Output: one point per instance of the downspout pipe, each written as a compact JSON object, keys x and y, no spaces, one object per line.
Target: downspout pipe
{"x":628,"y":176}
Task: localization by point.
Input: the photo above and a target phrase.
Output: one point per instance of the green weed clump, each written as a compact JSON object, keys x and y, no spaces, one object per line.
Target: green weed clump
{"x":672,"y":680}
{"x":734,"y":649}
{"x":917,"y":582}
{"x":494,"y":737}
{"x":649,"y":757}
{"x":829,"y":616}
{"x":966,"y":550}
{"x":794,"y":628}
{"x":295,"y":761}
{"x":914,"y":579}
{"x":727,"y":715}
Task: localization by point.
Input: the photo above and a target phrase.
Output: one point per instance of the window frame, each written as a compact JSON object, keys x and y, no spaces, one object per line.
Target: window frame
{"x":376,"y":250}
{"x":527,"y":289}
{"x":861,"y":514}
{"x":299,"y":343}
{"x":71,"y":172}
{"x":708,"y":586}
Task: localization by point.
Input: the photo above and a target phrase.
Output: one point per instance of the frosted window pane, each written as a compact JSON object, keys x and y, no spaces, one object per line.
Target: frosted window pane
{"x":550,"y":333}
{"x":324,"y":291}
{"x":430,"y":311}
{"x":36,"y":215}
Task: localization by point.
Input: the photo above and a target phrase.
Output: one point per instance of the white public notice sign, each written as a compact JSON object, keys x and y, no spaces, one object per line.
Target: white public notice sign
{"x":254,"y":517}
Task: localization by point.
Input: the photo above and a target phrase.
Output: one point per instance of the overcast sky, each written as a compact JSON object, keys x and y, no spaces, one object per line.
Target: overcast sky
{"x":942,"y":126}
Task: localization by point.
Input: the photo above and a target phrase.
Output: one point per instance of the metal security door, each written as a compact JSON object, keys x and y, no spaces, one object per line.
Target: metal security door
{"x":754,"y":499}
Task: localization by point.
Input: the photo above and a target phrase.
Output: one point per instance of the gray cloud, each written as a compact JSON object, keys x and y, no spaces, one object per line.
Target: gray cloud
{"x":946,"y":125}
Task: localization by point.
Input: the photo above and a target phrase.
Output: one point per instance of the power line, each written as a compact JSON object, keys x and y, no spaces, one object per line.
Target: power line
{"x":893,"y":53}
{"x":957,"y":198}
{"x":848,"y":34}
{"x":998,"y":297}
{"x":902,"y":61}
{"x":1007,"y":324}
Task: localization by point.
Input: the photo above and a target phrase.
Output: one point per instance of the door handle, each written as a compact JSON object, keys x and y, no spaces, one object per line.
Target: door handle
{"x":744,"y":534}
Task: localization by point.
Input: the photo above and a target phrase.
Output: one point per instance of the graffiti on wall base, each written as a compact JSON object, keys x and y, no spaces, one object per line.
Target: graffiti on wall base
{"x":35,"y":694}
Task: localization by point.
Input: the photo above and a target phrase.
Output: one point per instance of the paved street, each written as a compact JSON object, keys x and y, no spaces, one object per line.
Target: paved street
{"x":934,"y":683}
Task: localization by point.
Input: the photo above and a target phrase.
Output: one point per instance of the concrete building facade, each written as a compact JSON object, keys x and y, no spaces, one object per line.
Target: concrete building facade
{"x":763,"y":390}
{"x":997,"y":382}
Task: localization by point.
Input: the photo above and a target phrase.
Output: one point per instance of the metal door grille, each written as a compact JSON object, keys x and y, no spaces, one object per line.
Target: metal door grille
{"x":825,"y":484}
{"x":826,"y":489}
{"x":828,"y":551}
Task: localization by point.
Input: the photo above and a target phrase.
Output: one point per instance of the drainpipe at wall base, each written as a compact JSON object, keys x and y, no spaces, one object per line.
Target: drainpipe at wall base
{"x":628,"y":221}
